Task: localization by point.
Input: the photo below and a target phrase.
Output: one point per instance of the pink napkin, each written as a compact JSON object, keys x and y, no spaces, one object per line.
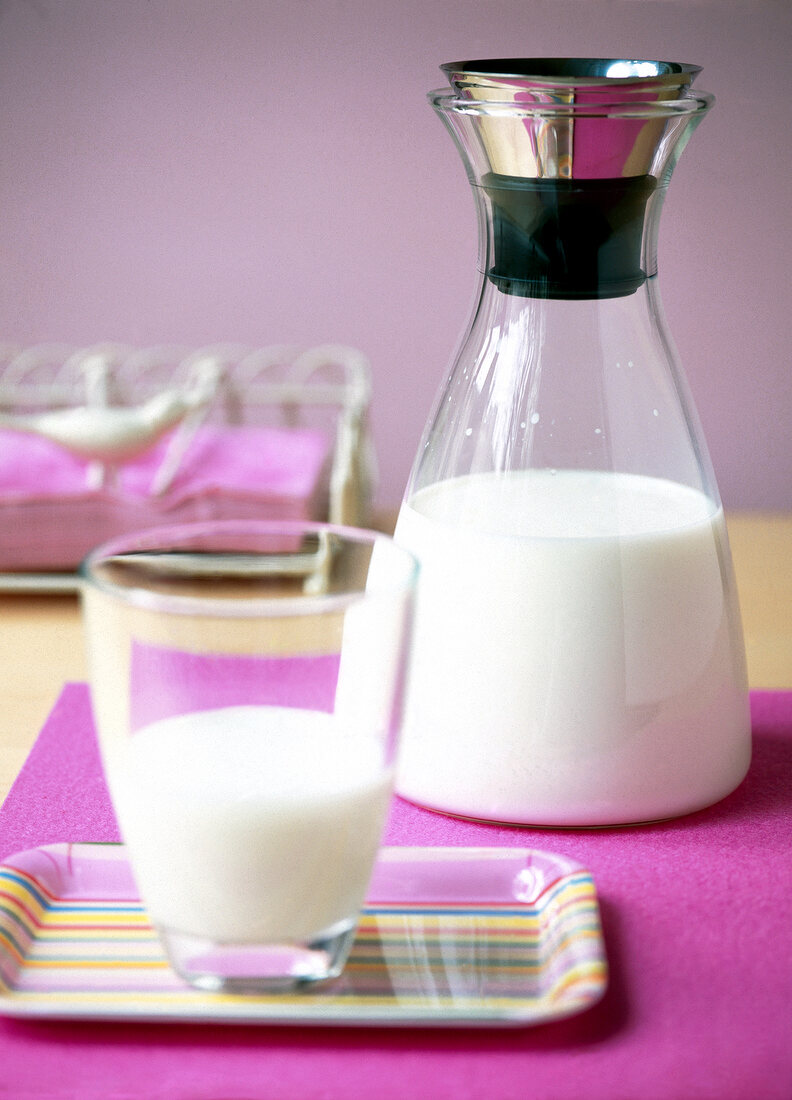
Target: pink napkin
{"x":50,"y":517}
{"x":696,"y":920}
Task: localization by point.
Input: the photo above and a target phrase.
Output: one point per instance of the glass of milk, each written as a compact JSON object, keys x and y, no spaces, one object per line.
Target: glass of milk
{"x":247,"y":682}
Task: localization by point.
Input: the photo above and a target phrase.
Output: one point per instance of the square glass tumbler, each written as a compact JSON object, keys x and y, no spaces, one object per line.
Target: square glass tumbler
{"x":247,"y":682}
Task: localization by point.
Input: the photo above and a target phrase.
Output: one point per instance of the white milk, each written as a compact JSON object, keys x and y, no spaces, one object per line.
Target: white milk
{"x":578,"y":652}
{"x":251,"y":824}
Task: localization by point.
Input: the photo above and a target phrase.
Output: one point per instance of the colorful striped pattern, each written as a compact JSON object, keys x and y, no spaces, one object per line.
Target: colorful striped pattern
{"x":64,"y":955}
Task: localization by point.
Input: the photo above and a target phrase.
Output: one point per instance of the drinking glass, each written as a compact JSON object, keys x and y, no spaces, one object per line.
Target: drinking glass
{"x":247,"y":682}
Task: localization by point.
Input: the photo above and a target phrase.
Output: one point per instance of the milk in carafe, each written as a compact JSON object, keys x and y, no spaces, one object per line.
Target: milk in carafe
{"x":574,"y":655}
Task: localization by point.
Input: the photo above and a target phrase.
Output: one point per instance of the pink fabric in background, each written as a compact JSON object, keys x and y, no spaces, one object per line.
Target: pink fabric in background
{"x":696,"y":923}
{"x":255,"y":461}
{"x":50,"y":517}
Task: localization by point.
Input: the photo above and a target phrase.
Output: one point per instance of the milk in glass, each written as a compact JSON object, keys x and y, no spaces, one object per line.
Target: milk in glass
{"x":221,"y":808}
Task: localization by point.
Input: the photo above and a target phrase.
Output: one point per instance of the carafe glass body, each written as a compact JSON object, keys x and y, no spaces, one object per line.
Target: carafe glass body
{"x":578,"y":655}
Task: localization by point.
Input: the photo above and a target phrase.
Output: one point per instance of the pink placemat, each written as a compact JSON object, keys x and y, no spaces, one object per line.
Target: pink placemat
{"x":697,"y":928}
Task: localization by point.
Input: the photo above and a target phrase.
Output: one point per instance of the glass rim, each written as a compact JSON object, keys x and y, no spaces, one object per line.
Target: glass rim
{"x":247,"y":607}
{"x":573,"y":70}
{"x":453,"y":102}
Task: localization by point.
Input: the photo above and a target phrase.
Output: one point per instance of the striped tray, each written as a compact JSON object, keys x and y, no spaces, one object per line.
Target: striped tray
{"x":449,"y":936}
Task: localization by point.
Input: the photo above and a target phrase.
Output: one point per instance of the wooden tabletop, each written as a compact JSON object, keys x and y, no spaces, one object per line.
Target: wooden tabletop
{"x":41,"y":644}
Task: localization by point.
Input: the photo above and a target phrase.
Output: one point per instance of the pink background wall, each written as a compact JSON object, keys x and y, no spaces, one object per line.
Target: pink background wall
{"x":269,"y":171}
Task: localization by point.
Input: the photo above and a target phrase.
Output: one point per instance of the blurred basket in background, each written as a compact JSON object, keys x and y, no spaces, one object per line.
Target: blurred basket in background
{"x":101,"y":440}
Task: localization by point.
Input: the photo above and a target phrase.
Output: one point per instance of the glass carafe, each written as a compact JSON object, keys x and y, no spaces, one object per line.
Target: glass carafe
{"x":578,"y":656}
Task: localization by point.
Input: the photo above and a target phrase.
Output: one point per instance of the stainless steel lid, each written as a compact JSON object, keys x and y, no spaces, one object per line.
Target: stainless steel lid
{"x":566,"y":118}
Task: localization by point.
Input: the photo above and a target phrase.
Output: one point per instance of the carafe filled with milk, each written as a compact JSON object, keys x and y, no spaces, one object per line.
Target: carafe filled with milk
{"x":578,"y":656}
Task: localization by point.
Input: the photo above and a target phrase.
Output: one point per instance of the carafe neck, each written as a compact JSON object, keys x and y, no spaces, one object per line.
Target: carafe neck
{"x":569,"y":189}
{"x":566,"y":238}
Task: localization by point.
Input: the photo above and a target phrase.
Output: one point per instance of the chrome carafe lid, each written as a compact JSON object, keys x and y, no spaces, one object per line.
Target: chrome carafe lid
{"x":564,"y":109}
